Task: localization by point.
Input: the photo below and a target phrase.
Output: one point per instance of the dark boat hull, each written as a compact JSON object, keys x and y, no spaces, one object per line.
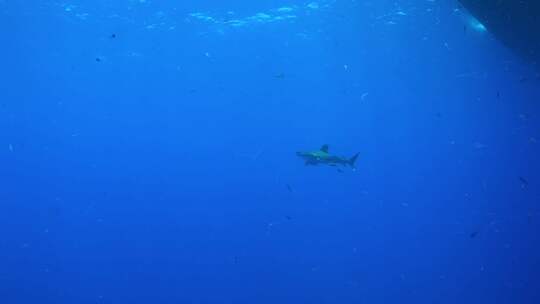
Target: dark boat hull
{"x":516,"y":23}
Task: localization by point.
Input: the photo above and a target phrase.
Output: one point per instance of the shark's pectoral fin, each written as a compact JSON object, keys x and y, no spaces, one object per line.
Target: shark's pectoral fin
{"x":352,"y":160}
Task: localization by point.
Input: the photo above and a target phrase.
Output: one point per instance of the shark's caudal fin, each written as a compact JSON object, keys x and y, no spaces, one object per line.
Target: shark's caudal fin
{"x":352,"y":160}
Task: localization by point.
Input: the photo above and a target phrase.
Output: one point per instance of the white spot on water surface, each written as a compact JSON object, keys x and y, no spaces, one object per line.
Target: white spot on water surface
{"x":313,"y":5}
{"x":285,"y":9}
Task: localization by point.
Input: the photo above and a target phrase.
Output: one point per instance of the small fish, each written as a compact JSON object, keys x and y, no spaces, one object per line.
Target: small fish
{"x":498,"y":95}
{"x":364,"y":95}
{"x":479,"y":145}
{"x":290,"y":188}
{"x":112,"y":36}
{"x":339,"y":170}
{"x":10,"y":148}
{"x":98,"y":59}
{"x":280,"y":76}
{"x":288,"y":217}
{"x":524,"y":182}
{"x":473,"y":234}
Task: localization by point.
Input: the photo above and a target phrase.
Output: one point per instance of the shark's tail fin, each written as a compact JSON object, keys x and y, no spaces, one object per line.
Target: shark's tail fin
{"x":352,"y":160}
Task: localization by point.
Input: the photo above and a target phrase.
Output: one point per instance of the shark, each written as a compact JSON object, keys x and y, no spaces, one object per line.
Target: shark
{"x":323,"y":157}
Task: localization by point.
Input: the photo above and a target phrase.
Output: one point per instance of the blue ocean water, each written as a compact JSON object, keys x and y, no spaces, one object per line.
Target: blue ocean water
{"x":148,"y":153}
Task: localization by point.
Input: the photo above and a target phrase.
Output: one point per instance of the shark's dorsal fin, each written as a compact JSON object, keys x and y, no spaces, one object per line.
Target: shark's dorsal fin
{"x":324,"y":148}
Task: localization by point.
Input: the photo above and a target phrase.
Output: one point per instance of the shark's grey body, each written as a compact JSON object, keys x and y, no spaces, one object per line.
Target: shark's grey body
{"x":323,"y":157}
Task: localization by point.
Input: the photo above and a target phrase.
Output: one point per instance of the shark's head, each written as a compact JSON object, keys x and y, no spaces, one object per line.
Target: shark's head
{"x":315,"y":157}
{"x":308,"y":156}
{"x":303,"y":154}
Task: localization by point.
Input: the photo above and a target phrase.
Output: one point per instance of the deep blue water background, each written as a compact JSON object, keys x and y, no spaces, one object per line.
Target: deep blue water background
{"x":166,"y":172}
